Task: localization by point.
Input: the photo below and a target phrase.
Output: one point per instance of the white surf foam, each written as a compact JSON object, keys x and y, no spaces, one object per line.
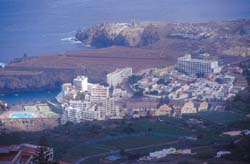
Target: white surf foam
{"x":71,"y":40}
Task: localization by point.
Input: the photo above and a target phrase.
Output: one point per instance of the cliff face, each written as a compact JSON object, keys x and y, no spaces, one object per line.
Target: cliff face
{"x":122,"y":34}
{"x":43,"y":80}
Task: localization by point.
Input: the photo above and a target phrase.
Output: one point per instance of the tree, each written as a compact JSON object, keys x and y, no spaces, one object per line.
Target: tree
{"x":163,"y":81}
{"x":200,"y":75}
{"x":154,"y":92}
{"x":111,"y":89}
{"x":138,"y":93}
{"x":219,"y":80}
{"x":162,"y":101}
{"x":67,"y":127}
{"x":134,"y":79}
{"x":122,"y":152}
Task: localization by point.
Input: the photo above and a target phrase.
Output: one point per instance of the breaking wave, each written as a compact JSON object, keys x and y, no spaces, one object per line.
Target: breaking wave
{"x":71,"y":40}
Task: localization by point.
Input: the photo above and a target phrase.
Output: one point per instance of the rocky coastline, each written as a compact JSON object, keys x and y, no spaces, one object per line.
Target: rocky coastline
{"x":219,"y":38}
{"x":138,"y":44}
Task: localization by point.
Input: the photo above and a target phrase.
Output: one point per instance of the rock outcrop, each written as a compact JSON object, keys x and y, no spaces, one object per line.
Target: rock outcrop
{"x":121,"y":34}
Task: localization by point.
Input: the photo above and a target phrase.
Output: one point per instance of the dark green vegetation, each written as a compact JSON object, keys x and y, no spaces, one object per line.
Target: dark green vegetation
{"x":134,"y":79}
{"x":241,"y":102}
{"x":139,"y":137}
{"x":245,"y":65}
{"x":163,"y":81}
{"x":163,"y":100}
{"x":131,"y":81}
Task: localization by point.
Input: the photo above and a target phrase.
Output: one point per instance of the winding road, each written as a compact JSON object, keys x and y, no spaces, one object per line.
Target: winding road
{"x":126,"y":150}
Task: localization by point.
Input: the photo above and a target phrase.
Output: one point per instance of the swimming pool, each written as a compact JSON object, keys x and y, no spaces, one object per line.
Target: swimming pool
{"x":22,"y":115}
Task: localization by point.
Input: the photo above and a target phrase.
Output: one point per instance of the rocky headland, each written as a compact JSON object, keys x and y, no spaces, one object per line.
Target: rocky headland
{"x":219,"y":38}
{"x":138,"y":45}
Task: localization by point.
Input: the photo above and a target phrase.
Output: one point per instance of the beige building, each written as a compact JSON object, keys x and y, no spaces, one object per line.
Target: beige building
{"x":99,"y":93}
{"x":188,"y":107}
{"x":163,"y":110}
{"x":203,"y":106}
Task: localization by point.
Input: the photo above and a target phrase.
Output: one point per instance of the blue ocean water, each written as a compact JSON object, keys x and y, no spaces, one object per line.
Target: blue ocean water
{"x":17,"y":98}
{"x":38,"y":27}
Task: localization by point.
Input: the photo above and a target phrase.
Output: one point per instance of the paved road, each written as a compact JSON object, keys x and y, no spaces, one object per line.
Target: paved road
{"x":127,"y":150}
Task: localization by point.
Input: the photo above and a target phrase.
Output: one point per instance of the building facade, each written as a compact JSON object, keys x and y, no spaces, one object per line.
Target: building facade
{"x":203,"y":106}
{"x":81,"y":83}
{"x":99,"y":93}
{"x":116,"y":77}
{"x":71,"y":115}
{"x":188,"y":107}
{"x":163,"y":110}
{"x":195,"y":67}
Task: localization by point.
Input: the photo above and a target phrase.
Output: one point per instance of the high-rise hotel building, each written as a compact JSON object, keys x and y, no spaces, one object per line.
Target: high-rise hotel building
{"x":116,"y":77}
{"x":193,"y":67}
{"x":81,"y":83}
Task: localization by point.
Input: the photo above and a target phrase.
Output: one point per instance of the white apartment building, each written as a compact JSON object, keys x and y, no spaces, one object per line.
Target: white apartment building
{"x":97,"y":104}
{"x":91,"y":114}
{"x":71,"y":114}
{"x":111,"y":108}
{"x":99,"y":93}
{"x":192,"y":67}
{"x":65,"y":90}
{"x":81,"y":83}
{"x":119,"y":93}
{"x":116,"y":77}
{"x":79,"y":104}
